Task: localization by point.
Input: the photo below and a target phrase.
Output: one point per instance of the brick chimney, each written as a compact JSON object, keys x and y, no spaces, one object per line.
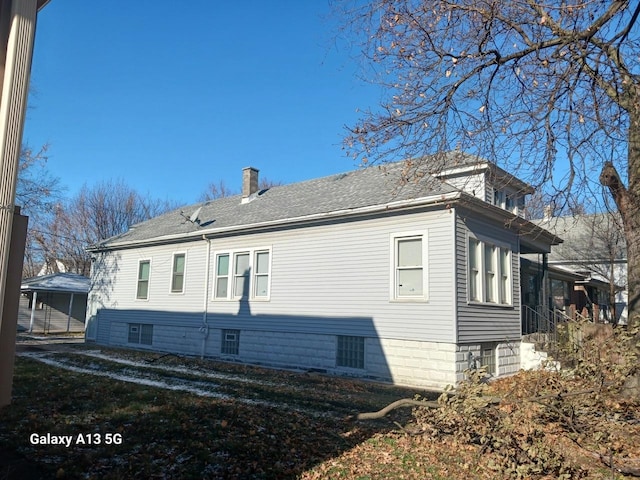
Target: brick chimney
{"x":249,"y":182}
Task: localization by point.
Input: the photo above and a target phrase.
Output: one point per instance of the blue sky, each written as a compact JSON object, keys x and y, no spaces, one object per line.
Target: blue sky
{"x":171,"y":96}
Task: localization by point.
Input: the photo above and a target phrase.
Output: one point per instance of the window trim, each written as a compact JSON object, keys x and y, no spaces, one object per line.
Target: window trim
{"x":231,"y":274}
{"x":394,"y":240}
{"x":217,"y":275}
{"x":246,"y":276}
{"x":173,"y":272}
{"x":138,"y":279}
{"x":502,"y":285}
{"x":256,"y":274}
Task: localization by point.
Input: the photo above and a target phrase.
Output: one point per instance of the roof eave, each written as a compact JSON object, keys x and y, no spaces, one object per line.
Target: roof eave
{"x":337,"y":214}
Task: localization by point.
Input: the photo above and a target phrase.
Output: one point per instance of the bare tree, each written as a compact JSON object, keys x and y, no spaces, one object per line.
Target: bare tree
{"x":94,"y":214}
{"x":220,"y":189}
{"x":216,"y":190}
{"x":37,"y":192}
{"x":550,"y":90}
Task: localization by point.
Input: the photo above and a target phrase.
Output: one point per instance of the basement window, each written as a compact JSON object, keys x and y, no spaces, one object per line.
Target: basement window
{"x":350,"y":352}
{"x":230,"y":342}
{"x":141,"y":333}
{"x":488,"y":358}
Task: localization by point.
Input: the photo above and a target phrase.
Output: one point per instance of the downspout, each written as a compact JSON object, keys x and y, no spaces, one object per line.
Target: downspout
{"x":33,"y":310}
{"x":70,"y":310}
{"x":204,"y":329}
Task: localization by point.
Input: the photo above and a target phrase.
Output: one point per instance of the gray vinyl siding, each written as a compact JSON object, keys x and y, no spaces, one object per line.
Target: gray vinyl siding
{"x":331,"y":279}
{"x":477,"y":322}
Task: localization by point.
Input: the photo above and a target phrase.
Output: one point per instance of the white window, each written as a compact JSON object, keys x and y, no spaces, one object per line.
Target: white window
{"x":241,"y":269}
{"x":222,"y":276}
{"x":242,"y":274}
{"x":409,"y":272}
{"x":144,"y":269}
{"x":177,"y":273}
{"x":475,"y":282}
{"x":505,"y":276}
{"x":489,"y":273}
{"x":261,"y":274}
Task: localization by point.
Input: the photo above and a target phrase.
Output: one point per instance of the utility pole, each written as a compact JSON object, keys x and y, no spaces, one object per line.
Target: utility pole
{"x":17,"y":33}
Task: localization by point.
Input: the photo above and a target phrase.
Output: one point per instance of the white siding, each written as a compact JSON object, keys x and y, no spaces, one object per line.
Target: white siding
{"x":473,"y":184}
{"x":328,"y":279}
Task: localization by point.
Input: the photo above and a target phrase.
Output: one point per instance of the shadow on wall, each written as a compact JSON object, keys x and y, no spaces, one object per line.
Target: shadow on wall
{"x":348,"y":345}
{"x":104,"y":271}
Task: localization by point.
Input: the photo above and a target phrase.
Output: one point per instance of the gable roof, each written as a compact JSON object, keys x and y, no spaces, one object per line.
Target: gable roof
{"x":372,"y":189}
{"x":588,"y":239}
{"x":349,"y":191}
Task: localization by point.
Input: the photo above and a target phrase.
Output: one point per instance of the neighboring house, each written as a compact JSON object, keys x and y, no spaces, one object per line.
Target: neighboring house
{"x":594,"y":248}
{"x":53,"y":303}
{"x":554,"y":293}
{"x":51,"y":267}
{"x":383,"y":272}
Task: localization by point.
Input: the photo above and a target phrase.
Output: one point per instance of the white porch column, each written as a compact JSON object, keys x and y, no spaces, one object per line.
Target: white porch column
{"x":17,"y":30}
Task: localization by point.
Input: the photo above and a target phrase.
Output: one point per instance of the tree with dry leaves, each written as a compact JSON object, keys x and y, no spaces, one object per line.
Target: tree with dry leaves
{"x":548,"y":90}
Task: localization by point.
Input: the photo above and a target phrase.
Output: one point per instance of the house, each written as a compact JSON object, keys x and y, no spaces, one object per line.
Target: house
{"x":594,"y":248}
{"x":53,"y":303}
{"x":386,"y":272}
{"x":553,"y":294}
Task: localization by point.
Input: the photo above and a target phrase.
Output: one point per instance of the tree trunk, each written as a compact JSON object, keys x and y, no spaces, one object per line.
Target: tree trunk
{"x":632,"y":235}
{"x":631,"y":213}
{"x":628,"y":202}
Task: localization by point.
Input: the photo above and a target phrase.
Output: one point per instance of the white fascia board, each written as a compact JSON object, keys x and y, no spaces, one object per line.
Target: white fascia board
{"x":475,"y":168}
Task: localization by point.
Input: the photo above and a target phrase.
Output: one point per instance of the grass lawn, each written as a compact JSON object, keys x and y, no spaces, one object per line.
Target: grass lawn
{"x":124,"y":414}
{"x":181,"y":418}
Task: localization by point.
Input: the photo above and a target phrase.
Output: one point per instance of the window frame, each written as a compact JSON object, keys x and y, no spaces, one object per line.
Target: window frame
{"x":257,"y":274}
{"x":139,"y":279}
{"x":233,"y":276}
{"x":230,"y":347}
{"x":395,"y":268}
{"x":141,"y":335}
{"x":501,"y":281}
{"x":174,"y":273}
{"x":245,"y":276}
{"x":218,"y":276}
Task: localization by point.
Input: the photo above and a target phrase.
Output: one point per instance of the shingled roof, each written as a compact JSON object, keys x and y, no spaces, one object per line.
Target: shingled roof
{"x":357,"y":189}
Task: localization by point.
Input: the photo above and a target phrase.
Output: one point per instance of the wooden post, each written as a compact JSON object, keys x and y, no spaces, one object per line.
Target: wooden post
{"x":11,"y":305}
